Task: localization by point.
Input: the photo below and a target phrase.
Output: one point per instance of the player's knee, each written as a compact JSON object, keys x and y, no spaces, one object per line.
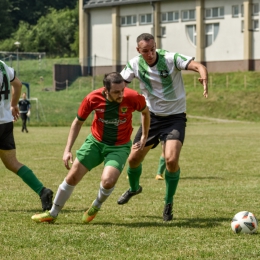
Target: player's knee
{"x":172,"y":164}
{"x":108,"y":183}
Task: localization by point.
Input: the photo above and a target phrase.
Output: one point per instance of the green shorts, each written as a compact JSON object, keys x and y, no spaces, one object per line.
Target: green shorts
{"x":92,"y":153}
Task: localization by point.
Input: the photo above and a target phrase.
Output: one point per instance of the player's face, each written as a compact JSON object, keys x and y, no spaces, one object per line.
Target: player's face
{"x":116,"y":92}
{"x":148,"y":50}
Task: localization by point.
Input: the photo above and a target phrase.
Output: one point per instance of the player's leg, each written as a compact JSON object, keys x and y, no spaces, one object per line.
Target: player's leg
{"x":8,"y":156}
{"x":64,"y":192}
{"x":25,"y":122}
{"x":109,"y":178}
{"x":173,"y":145}
{"x":27,"y":175}
{"x":74,"y":176}
{"x":22,"y":115}
{"x":135,"y":159}
{"x":115,"y":159}
{"x":88,"y":157}
{"x":161,"y":165}
{"x":172,"y":175}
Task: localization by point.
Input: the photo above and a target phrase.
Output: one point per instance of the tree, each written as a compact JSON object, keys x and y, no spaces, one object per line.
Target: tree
{"x":56,"y":34}
{"x":31,"y":11}
{"x":6,"y":25}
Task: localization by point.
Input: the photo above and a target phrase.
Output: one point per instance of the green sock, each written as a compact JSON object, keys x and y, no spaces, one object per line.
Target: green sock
{"x":134,"y":177}
{"x":30,"y":179}
{"x":161,"y":166}
{"x":171,"y":180}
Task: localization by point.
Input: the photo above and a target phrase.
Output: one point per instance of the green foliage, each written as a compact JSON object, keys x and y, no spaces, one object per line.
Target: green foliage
{"x":30,"y":11}
{"x":53,"y":34}
{"x":6,"y":27}
{"x":237,"y":100}
{"x":214,"y":185}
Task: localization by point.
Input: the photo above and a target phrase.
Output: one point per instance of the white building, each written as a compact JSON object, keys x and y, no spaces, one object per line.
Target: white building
{"x":223,"y":35}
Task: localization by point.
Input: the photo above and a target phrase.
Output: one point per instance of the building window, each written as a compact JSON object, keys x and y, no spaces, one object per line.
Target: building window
{"x":211,"y":33}
{"x":255,"y":25}
{"x":188,"y":15}
{"x":255,"y":9}
{"x":235,"y":10}
{"x":191,"y":31}
{"x":170,"y":17}
{"x":146,"y":19}
{"x":163,"y":31}
{"x":213,"y":13}
{"x":128,"y":20}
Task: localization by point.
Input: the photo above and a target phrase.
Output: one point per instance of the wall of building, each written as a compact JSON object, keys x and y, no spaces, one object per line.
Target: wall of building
{"x":101,"y":37}
{"x":227,"y":53}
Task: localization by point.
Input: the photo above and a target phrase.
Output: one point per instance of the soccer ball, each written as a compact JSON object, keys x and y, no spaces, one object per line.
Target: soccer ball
{"x":244,"y":222}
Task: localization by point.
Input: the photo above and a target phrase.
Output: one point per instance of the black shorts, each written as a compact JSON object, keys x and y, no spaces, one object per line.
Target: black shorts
{"x":163,"y":128}
{"x":7,"y":136}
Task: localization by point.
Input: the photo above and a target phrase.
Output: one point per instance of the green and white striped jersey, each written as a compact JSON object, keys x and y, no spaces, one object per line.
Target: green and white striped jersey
{"x":162,"y":84}
{"x":6,"y":75}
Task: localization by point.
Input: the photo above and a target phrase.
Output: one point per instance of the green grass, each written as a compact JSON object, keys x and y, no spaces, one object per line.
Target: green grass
{"x":233,"y":96}
{"x":219,"y":177}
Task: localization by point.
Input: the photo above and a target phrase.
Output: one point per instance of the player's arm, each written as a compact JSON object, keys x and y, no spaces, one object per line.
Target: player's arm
{"x":145,"y":126}
{"x":73,"y":134}
{"x":202,"y":70}
{"x":16,"y":93}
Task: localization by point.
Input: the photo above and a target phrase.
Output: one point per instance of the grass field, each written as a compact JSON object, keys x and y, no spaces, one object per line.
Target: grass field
{"x":233,"y":96}
{"x":219,"y":177}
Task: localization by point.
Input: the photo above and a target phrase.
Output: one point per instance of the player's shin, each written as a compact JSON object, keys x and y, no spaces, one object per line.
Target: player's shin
{"x":134,"y":177}
{"x":171,"y":180}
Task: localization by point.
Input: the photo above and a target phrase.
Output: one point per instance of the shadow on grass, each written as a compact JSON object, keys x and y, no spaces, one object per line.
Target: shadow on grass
{"x":200,"y":223}
{"x":187,"y":223}
{"x":37,"y":210}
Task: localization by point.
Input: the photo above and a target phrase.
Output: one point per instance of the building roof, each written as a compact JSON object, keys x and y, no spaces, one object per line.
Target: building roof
{"x":101,"y":3}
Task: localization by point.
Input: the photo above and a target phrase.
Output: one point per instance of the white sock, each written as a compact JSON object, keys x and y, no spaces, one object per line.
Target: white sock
{"x":63,"y":194}
{"x":103,"y":194}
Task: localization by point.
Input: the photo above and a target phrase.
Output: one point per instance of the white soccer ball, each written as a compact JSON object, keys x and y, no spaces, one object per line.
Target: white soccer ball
{"x":244,"y":222}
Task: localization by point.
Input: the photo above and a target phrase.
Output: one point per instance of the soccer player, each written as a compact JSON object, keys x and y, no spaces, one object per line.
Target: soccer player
{"x":159,"y":73}
{"x":108,"y":142}
{"x":10,"y":91}
{"x":24,"y":107}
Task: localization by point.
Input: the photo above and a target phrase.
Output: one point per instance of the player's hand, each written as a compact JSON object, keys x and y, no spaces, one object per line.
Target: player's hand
{"x":67,"y":157}
{"x":140,"y":144}
{"x":15,"y":113}
{"x":204,"y":82}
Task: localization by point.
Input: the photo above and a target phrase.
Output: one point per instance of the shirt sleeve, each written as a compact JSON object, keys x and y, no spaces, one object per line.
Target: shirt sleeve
{"x":84,"y":109}
{"x":181,"y":61}
{"x":11,"y":73}
{"x":128,"y":73}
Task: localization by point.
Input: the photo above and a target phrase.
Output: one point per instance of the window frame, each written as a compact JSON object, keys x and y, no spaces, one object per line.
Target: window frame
{"x":133,"y":20}
{"x":209,"y":13}
{"x":194,"y":33}
{"x":174,"y":14}
{"x":254,"y":7}
{"x":145,"y":16}
{"x":188,"y":15}
{"x":234,"y":14}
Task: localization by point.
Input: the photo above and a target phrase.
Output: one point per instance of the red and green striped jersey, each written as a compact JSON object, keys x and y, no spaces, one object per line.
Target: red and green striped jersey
{"x":112,"y":123}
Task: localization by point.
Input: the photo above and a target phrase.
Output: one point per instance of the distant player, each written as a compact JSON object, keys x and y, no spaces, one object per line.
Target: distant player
{"x":24,"y":107}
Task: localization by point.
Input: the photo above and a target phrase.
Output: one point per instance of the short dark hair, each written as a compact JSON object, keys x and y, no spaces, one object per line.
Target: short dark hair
{"x":144,"y":37}
{"x":110,"y":78}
